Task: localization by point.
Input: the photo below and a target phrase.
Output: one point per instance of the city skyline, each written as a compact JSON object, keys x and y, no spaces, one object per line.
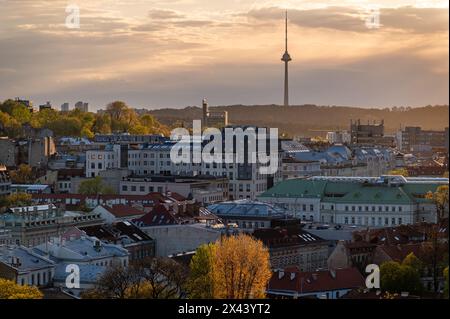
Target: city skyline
{"x":156,"y":54}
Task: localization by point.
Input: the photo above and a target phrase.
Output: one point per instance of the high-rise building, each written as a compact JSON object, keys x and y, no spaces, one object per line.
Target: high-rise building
{"x":414,"y":139}
{"x":82,"y":106}
{"x":286,"y":58}
{"x":65,"y":107}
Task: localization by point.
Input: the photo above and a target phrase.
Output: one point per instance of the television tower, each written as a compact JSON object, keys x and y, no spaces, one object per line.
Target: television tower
{"x":286,"y":58}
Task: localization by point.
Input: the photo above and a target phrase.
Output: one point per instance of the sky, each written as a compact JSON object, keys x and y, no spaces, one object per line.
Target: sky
{"x":172,"y":53}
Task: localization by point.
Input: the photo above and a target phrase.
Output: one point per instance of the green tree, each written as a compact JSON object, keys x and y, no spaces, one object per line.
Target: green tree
{"x":396,"y":278}
{"x":200,"y":283}
{"x":414,"y":262}
{"x":94,"y":186}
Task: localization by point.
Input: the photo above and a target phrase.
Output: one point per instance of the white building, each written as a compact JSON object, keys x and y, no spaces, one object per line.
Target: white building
{"x":101,"y":160}
{"x":363,"y":201}
{"x":338,"y":137}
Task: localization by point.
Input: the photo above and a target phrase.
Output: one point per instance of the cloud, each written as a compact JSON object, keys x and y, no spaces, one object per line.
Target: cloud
{"x":160,"y":14}
{"x":419,"y":20}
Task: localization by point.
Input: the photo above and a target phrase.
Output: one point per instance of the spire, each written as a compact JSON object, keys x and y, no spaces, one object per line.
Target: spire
{"x":286,"y":33}
{"x":286,"y":58}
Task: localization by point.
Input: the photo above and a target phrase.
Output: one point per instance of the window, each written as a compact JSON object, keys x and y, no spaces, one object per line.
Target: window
{"x":124,"y":188}
{"x":311,"y":207}
{"x":399,"y":220}
{"x":353,"y":220}
{"x":346,"y":208}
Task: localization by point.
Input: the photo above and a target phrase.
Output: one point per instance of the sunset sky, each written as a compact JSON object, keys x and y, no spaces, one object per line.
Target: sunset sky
{"x":172,"y":53}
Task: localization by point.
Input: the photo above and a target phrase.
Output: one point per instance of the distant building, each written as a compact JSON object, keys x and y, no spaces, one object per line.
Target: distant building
{"x":90,"y":254}
{"x":25,"y":267}
{"x":126,"y":138}
{"x":293,"y":246}
{"x":173,"y":237}
{"x":103,"y":159}
{"x":33,"y":225}
{"x":46,"y":106}
{"x":414,"y":139}
{"x":5,"y":181}
{"x":118,"y":212}
{"x":352,"y":254}
{"x":31,"y":188}
{"x":27,"y":103}
{"x":364,"y":201}
{"x":213,"y":118}
{"x":82,"y":106}
{"x":295,"y":168}
{"x":65,"y":107}
{"x":202,"y":188}
{"x":339,"y":137}
{"x":333,"y":284}
{"x":127,"y":235}
{"x":369,"y":134}
{"x":249,"y":215}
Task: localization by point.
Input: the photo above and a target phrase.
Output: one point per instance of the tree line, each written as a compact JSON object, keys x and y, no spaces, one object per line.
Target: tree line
{"x":118,"y":117}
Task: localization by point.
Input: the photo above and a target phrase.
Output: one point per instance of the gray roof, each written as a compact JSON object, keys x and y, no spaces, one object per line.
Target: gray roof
{"x":247,"y":208}
{"x":28,"y":260}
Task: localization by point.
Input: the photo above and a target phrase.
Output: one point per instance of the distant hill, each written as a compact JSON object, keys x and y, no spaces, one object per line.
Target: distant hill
{"x":313,"y":120}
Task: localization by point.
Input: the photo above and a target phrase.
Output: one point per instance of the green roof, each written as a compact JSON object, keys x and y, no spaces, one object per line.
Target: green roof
{"x":374,"y":194}
{"x":296,"y":188}
{"x":351,"y":192}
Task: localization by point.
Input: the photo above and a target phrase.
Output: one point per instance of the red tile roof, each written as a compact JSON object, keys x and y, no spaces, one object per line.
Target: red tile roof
{"x":123,"y":210}
{"x":307,"y":282}
{"x":158,"y":216}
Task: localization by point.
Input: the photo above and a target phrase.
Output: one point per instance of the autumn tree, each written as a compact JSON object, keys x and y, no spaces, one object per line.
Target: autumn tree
{"x":22,"y":175}
{"x":16,"y":199}
{"x":163,"y":277}
{"x":114,"y":283}
{"x":200,"y":283}
{"x":151,"y":278}
{"x":399,"y":171}
{"x":10,"y":290}
{"x":241,"y":268}
{"x":440,"y":199}
{"x":433,"y":254}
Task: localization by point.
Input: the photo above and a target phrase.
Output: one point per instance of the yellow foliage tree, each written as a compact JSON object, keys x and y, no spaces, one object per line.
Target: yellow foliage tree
{"x":241,"y":268}
{"x":11,"y":290}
